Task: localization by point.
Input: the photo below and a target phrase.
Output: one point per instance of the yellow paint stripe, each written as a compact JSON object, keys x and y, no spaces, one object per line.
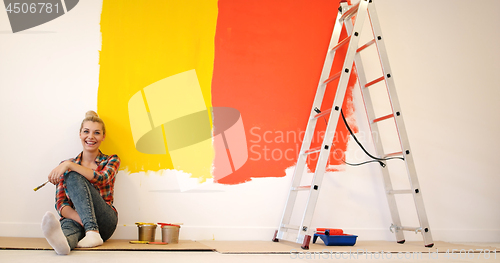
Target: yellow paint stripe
{"x":148,"y":111}
{"x":164,"y":137}
{"x":145,"y":101}
{"x":144,"y":42}
{"x":209,"y":111}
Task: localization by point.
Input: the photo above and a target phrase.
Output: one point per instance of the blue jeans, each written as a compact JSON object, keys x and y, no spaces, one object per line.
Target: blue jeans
{"x":94,"y":212}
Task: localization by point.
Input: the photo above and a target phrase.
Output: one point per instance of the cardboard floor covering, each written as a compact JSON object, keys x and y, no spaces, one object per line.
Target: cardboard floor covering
{"x":286,"y":247}
{"x":110,"y":245}
{"x":250,"y":247}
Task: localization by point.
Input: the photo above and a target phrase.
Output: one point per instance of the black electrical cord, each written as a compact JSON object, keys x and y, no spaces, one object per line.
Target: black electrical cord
{"x":358,"y":164}
{"x":375,"y":159}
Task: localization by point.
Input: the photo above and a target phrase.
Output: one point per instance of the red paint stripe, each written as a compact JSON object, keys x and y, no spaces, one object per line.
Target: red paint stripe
{"x":230,"y":159}
{"x":268,"y":58}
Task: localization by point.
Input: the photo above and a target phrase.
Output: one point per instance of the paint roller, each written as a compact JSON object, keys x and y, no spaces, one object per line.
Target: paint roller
{"x":330,"y":231}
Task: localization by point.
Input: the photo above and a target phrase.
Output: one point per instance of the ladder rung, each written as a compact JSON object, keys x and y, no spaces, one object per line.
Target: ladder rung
{"x":374,"y":82}
{"x":313,"y":150}
{"x":400,"y":191}
{"x":383,"y":118}
{"x":409,"y":228}
{"x":406,"y":228}
{"x":353,"y":10}
{"x":302,"y":187}
{"x":393,"y":154}
{"x":321,"y":114}
{"x":366,"y":45}
{"x":341,"y":43}
{"x":290,"y":227}
{"x":336,"y":76}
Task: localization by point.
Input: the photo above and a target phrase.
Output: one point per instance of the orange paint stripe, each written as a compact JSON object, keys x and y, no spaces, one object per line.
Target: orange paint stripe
{"x":228,"y":152}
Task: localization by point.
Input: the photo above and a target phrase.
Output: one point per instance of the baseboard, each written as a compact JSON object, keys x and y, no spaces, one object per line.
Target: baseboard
{"x":266,"y":233}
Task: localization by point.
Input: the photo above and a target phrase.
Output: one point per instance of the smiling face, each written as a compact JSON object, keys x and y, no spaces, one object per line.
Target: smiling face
{"x":91,"y":135}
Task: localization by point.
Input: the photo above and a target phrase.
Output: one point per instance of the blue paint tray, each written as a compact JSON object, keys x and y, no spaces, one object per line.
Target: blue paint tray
{"x":336,"y":240}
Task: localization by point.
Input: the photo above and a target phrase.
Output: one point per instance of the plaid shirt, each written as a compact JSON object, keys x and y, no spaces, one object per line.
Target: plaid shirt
{"x":104,"y":180}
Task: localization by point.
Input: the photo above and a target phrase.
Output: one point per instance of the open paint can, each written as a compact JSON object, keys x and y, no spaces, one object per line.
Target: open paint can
{"x":147,"y":231}
{"x":169,"y":233}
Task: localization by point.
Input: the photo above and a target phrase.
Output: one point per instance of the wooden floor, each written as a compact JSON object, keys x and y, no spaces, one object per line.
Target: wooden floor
{"x":243,"y":247}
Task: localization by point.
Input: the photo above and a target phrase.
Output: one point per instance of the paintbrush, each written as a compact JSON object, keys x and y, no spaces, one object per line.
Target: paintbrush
{"x":40,"y":186}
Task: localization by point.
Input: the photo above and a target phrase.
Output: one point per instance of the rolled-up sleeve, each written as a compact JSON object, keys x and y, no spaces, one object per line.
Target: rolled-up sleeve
{"x":107,"y":174}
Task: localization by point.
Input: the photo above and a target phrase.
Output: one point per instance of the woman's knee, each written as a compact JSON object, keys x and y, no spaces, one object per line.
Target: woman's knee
{"x":74,"y":178}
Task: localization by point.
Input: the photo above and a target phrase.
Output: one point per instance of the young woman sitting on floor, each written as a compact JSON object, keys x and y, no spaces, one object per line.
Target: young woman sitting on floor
{"x":84,"y":194}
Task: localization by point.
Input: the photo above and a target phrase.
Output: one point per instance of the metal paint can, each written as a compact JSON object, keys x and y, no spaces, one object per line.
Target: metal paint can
{"x":170,"y":233}
{"x":147,"y":231}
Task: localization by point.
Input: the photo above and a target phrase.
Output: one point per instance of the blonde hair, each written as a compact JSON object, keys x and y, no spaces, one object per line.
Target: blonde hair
{"x":93,"y":117}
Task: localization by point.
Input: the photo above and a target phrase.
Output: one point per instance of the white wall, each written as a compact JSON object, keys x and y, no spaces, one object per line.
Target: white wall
{"x":444,"y":58}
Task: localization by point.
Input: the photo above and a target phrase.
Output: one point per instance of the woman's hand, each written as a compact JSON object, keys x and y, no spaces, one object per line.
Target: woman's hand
{"x":55,"y":174}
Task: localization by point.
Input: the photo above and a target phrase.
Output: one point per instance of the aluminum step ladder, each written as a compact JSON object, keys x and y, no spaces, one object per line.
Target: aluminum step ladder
{"x":352,"y":18}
